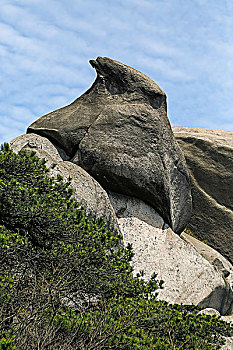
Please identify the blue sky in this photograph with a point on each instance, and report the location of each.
(185, 46)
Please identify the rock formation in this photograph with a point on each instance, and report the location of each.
(188, 277)
(118, 131)
(116, 144)
(42, 147)
(209, 156)
(86, 190)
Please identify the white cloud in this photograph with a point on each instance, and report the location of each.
(185, 46)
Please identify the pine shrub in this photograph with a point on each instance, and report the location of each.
(66, 281)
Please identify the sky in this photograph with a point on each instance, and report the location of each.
(185, 46)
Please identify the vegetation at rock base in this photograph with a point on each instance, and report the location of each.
(66, 282)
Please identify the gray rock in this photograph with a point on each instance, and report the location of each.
(87, 191)
(214, 257)
(42, 147)
(209, 156)
(188, 277)
(119, 132)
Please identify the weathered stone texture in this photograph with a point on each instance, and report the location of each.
(211, 255)
(118, 131)
(188, 277)
(42, 147)
(209, 156)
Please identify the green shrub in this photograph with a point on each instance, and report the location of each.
(66, 281)
(7, 344)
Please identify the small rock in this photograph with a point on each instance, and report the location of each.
(209, 311)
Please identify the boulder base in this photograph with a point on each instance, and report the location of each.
(188, 277)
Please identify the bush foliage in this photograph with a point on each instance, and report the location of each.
(66, 281)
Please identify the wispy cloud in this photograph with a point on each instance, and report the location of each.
(185, 46)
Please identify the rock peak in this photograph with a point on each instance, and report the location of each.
(119, 132)
(124, 75)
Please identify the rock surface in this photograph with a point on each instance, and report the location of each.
(118, 131)
(42, 147)
(214, 257)
(188, 277)
(87, 191)
(209, 311)
(209, 156)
